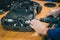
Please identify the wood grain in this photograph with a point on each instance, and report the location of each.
(11, 35)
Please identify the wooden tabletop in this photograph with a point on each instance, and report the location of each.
(10, 35)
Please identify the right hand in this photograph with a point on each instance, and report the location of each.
(54, 12)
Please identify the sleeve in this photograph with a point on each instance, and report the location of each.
(54, 33)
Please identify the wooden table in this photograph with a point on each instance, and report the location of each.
(10, 35)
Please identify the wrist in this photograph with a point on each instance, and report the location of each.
(45, 30)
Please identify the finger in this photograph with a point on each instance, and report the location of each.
(31, 26)
(33, 21)
(36, 29)
(58, 8)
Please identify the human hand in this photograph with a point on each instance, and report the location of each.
(54, 12)
(38, 27)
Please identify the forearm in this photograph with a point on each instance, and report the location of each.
(53, 33)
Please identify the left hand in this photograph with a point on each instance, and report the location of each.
(38, 27)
